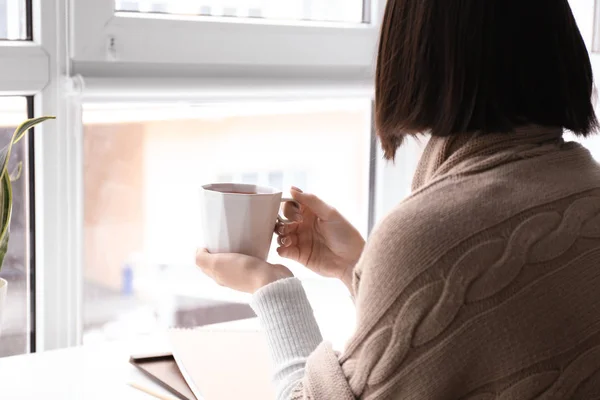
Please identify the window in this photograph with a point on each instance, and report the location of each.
(32, 319)
(583, 11)
(142, 178)
(307, 10)
(592, 143)
(17, 327)
(63, 54)
(13, 20)
(321, 38)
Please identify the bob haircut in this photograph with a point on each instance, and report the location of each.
(452, 66)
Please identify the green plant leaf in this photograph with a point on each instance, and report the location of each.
(5, 183)
(5, 214)
(18, 135)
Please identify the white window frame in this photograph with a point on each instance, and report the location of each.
(38, 68)
(102, 36)
(311, 62)
(24, 68)
(73, 36)
(57, 215)
(24, 71)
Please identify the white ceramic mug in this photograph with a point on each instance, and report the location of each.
(239, 218)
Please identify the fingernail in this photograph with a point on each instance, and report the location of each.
(298, 218)
(285, 241)
(294, 188)
(281, 230)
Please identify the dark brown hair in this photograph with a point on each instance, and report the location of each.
(450, 66)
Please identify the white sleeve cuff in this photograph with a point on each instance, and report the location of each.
(287, 318)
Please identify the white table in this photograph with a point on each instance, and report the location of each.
(90, 372)
(102, 371)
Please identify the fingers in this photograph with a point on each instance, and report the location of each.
(292, 212)
(208, 262)
(285, 229)
(291, 253)
(204, 260)
(321, 209)
(230, 270)
(287, 241)
(288, 246)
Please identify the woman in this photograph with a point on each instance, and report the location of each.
(485, 282)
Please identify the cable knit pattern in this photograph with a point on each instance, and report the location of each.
(483, 285)
(551, 385)
(540, 238)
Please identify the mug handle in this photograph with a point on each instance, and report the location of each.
(283, 220)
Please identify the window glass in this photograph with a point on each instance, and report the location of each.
(583, 11)
(14, 20)
(299, 10)
(17, 330)
(144, 167)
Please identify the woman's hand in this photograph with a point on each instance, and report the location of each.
(240, 272)
(320, 238)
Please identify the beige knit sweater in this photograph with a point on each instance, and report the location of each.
(484, 284)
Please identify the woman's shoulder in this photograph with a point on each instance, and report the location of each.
(450, 207)
(460, 206)
(408, 247)
(419, 230)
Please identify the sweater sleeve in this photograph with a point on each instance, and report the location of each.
(292, 332)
